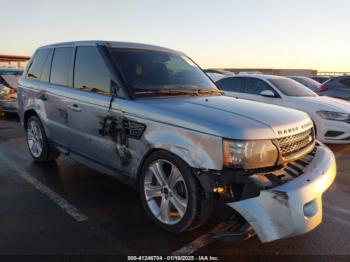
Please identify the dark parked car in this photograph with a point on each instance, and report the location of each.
(338, 87)
(321, 79)
(307, 81)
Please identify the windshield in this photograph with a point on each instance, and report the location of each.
(290, 87)
(312, 84)
(149, 70)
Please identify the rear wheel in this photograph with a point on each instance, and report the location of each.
(37, 142)
(170, 194)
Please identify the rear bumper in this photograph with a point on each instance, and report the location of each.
(293, 208)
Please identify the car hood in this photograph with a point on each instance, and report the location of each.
(325, 103)
(223, 116)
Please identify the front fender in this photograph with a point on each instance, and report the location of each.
(198, 150)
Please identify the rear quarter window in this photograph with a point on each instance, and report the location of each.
(35, 68)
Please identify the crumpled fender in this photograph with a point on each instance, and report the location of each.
(196, 149)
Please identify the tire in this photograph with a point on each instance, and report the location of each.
(176, 187)
(37, 142)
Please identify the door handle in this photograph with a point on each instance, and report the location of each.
(42, 97)
(75, 108)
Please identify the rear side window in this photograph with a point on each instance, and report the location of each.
(61, 65)
(256, 86)
(36, 67)
(90, 72)
(233, 84)
(345, 81)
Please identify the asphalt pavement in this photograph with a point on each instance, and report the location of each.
(67, 208)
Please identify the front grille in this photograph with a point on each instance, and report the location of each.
(290, 145)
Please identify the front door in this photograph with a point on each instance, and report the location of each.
(88, 109)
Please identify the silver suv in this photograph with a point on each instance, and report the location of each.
(149, 116)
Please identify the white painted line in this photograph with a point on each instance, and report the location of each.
(340, 220)
(56, 198)
(336, 208)
(202, 241)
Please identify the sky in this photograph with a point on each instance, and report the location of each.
(308, 34)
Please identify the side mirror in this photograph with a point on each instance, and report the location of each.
(267, 93)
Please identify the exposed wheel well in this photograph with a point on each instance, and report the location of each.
(139, 170)
(27, 115)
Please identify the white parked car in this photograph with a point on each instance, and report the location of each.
(331, 116)
(217, 74)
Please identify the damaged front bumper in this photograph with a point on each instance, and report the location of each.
(294, 207)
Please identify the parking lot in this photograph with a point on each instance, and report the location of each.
(67, 208)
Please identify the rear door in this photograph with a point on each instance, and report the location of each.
(57, 77)
(88, 108)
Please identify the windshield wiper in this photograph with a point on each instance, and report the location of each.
(209, 91)
(167, 91)
(170, 91)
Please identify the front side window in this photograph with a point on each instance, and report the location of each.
(232, 84)
(90, 72)
(61, 65)
(256, 86)
(150, 70)
(36, 67)
(290, 87)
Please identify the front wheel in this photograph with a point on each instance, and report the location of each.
(170, 194)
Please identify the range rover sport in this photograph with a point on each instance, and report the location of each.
(149, 116)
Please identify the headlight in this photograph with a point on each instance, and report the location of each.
(249, 154)
(330, 115)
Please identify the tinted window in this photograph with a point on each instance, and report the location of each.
(290, 87)
(155, 70)
(60, 68)
(35, 68)
(45, 75)
(234, 84)
(90, 72)
(345, 81)
(256, 86)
